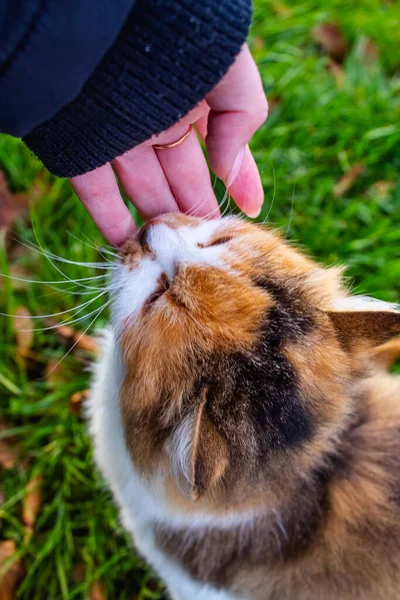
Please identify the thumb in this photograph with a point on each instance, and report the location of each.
(238, 108)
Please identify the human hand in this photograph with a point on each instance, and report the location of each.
(173, 179)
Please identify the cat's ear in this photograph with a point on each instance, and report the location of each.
(209, 455)
(365, 322)
(199, 455)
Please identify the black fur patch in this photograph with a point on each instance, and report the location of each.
(256, 393)
(292, 317)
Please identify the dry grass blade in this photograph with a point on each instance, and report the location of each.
(273, 102)
(258, 43)
(17, 275)
(76, 400)
(329, 36)
(23, 323)
(54, 373)
(12, 205)
(337, 72)
(32, 501)
(348, 180)
(85, 342)
(10, 575)
(2, 499)
(8, 455)
(78, 572)
(381, 188)
(281, 10)
(369, 52)
(97, 591)
(8, 451)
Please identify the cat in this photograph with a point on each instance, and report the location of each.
(243, 415)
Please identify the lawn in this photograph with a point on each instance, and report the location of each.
(329, 156)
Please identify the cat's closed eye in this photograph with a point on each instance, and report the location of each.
(217, 242)
(163, 286)
(157, 294)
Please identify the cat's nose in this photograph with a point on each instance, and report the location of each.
(158, 238)
(144, 235)
(163, 243)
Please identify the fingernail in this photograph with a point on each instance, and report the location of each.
(254, 214)
(235, 168)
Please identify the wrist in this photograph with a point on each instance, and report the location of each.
(167, 58)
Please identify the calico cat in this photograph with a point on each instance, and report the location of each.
(244, 419)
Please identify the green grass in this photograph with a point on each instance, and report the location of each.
(316, 131)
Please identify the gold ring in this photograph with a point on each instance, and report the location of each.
(173, 144)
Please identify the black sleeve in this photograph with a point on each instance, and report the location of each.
(168, 56)
(48, 50)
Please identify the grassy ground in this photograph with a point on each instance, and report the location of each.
(325, 121)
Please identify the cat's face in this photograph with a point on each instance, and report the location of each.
(234, 351)
(217, 279)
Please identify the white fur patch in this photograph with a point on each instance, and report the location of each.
(360, 303)
(180, 449)
(132, 288)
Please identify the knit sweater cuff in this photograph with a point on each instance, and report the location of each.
(168, 56)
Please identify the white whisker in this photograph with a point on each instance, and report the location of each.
(75, 310)
(273, 197)
(291, 212)
(227, 210)
(98, 249)
(209, 214)
(67, 322)
(88, 292)
(51, 282)
(79, 338)
(54, 265)
(195, 208)
(47, 254)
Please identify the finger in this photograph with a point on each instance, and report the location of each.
(238, 108)
(246, 189)
(98, 191)
(181, 127)
(187, 173)
(202, 125)
(144, 182)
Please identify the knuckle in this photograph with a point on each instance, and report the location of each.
(260, 114)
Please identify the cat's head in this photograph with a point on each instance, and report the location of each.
(239, 353)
